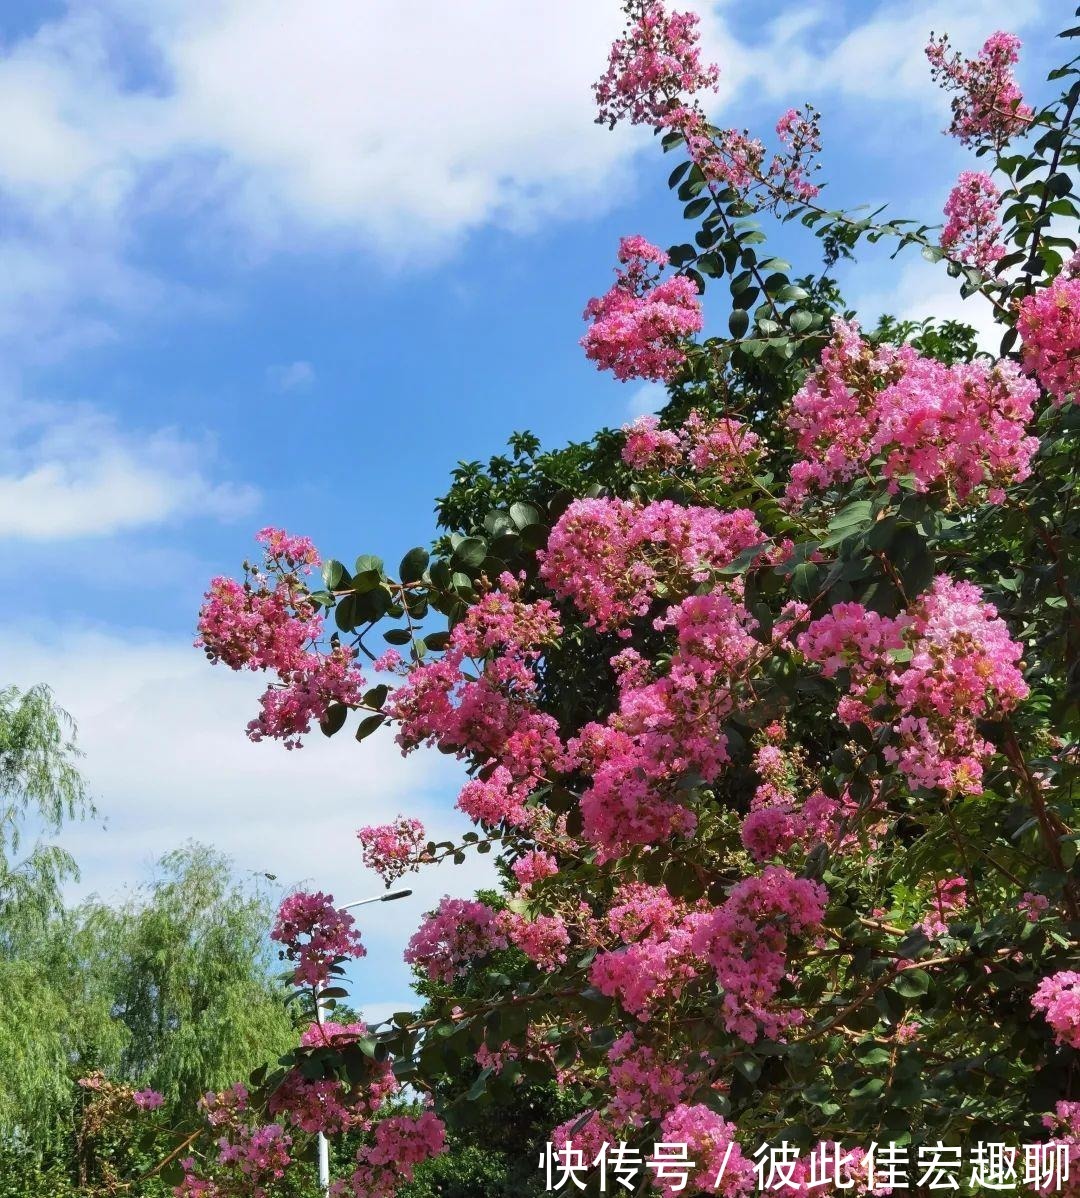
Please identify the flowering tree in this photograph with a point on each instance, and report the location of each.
(768, 704)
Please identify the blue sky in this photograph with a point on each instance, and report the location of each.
(267, 263)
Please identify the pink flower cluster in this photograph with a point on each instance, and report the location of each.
(500, 621)
(534, 866)
(1033, 905)
(316, 935)
(777, 822)
(645, 1082)
(949, 899)
(1049, 324)
(253, 1158)
(638, 326)
(1058, 999)
(746, 939)
(960, 427)
(453, 936)
(987, 106)
(722, 447)
(492, 717)
(394, 849)
(656, 60)
(326, 1104)
(612, 558)
(733, 158)
(1064, 1126)
(544, 939)
(268, 623)
(288, 552)
(972, 227)
(963, 668)
(399, 1144)
(721, 1167)
(148, 1100)
(664, 727)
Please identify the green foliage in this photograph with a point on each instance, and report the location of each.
(40, 786)
(173, 988)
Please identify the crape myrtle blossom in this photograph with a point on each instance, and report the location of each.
(744, 942)
(453, 935)
(724, 447)
(987, 106)
(962, 428)
(972, 228)
(963, 667)
(269, 623)
(1049, 324)
(394, 849)
(720, 1166)
(399, 1144)
(736, 159)
(1057, 998)
(639, 324)
(948, 900)
(1064, 1128)
(316, 935)
(655, 61)
(612, 557)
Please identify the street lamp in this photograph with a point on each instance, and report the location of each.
(324, 1144)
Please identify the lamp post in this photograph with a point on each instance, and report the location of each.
(324, 1144)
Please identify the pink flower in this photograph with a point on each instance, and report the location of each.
(973, 228)
(963, 668)
(654, 62)
(454, 935)
(401, 1142)
(987, 107)
(1033, 905)
(610, 557)
(543, 939)
(720, 1166)
(639, 324)
(394, 849)
(534, 866)
(148, 1100)
(950, 898)
(1058, 999)
(960, 428)
(291, 552)
(1049, 325)
(316, 935)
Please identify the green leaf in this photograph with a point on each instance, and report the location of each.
(334, 719)
(413, 564)
(368, 725)
(738, 322)
(470, 553)
(524, 514)
(912, 983)
(397, 636)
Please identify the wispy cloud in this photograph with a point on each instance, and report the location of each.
(293, 376)
(68, 471)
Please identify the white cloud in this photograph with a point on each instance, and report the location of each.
(396, 126)
(167, 760)
(646, 399)
(294, 376)
(881, 57)
(67, 471)
(920, 289)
